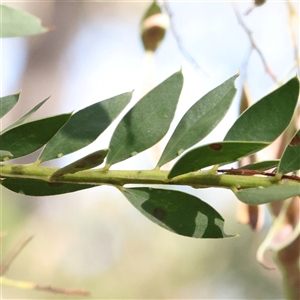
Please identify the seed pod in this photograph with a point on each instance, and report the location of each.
(153, 27)
(259, 2)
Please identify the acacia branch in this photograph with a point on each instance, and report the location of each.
(199, 179)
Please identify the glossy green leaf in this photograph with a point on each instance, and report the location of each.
(177, 212)
(89, 161)
(147, 122)
(200, 120)
(262, 165)
(7, 103)
(34, 187)
(290, 160)
(5, 155)
(84, 127)
(268, 118)
(19, 23)
(256, 196)
(212, 154)
(31, 136)
(25, 117)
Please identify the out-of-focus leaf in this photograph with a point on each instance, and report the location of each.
(147, 122)
(90, 161)
(5, 155)
(200, 120)
(153, 27)
(212, 154)
(34, 187)
(268, 118)
(256, 196)
(177, 212)
(29, 137)
(284, 233)
(262, 165)
(19, 23)
(84, 127)
(7, 103)
(259, 2)
(25, 117)
(290, 160)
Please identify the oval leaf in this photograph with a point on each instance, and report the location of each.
(290, 160)
(90, 161)
(31, 136)
(177, 212)
(25, 117)
(19, 23)
(7, 103)
(212, 154)
(84, 127)
(147, 122)
(268, 118)
(200, 120)
(262, 165)
(34, 187)
(256, 196)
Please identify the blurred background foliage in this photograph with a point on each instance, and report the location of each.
(95, 239)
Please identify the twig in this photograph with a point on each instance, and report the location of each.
(253, 44)
(183, 50)
(255, 172)
(47, 288)
(13, 254)
(294, 16)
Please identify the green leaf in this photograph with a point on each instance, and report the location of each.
(212, 154)
(25, 117)
(90, 161)
(262, 165)
(268, 118)
(34, 187)
(177, 212)
(84, 127)
(147, 122)
(290, 160)
(256, 196)
(200, 120)
(7, 103)
(31, 136)
(5, 155)
(19, 23)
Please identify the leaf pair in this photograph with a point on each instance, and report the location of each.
(22, 138)
(80, 129)
(255, 129)
(149, 120)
